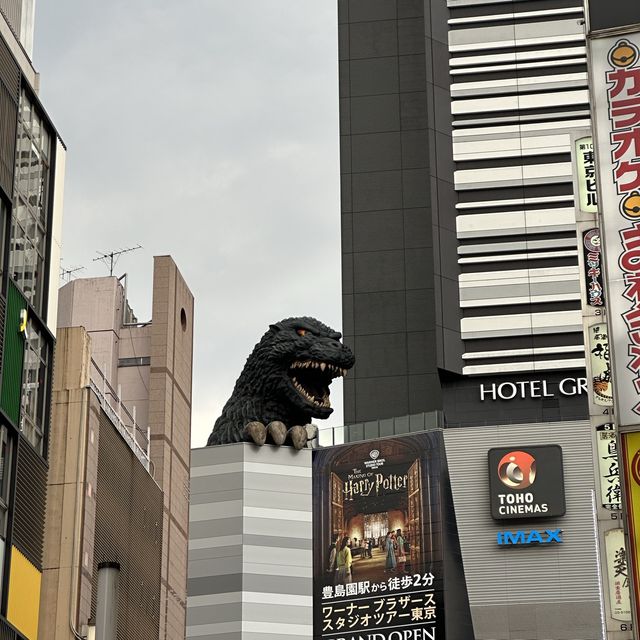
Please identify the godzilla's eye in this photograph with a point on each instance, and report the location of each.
(301, 332)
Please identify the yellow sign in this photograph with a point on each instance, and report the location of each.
(23, 606)
(23, 321)
(631, 458)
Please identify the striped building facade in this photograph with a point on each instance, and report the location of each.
(518, 90)
(250, 560)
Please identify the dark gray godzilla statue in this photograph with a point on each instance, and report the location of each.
(284, 383)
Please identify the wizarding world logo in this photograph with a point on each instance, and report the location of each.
(517, 470)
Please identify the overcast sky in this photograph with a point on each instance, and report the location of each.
(208, 130)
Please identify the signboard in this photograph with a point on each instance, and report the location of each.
(508, 390)
(523, 538)
(607, 452)
(586, 175)
(526, 482)
(593, 268)
(377, 569)
(618, 575)
(600, 365)
(615, 76)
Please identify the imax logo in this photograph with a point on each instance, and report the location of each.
(505, 538)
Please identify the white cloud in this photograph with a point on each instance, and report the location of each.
(209, 131)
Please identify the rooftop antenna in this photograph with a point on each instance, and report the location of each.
(67, 274)
(111, 258)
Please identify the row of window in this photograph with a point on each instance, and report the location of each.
(27, 228)
(29, 220)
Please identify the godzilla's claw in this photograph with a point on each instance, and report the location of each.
(255, 432)
(277, 432)
(298, 436)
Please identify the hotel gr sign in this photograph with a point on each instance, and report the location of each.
(523, 389)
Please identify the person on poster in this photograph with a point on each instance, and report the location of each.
(401, 552)
(333, 551)
(344, 561)
(391, 554)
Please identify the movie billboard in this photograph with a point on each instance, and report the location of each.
(377, 540)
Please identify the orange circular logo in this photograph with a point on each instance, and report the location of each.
(635, 467)
(630, 206)
(624, 54)
(517, 469)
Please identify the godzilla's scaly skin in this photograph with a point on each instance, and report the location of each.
(264, 391)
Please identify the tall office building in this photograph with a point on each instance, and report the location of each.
(461, 287)
(31, 185)
(119, 483)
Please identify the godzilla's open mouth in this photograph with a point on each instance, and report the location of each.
(311, 379)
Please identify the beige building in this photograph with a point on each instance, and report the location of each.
(120, 439)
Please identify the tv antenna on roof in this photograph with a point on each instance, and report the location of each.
(111, 258)
(67, 274)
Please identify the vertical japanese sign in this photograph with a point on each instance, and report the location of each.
(615, 76)
(608, 465)
(600, 365)
(586, 175)
(593, 268)
(618, 573)
(377, 540)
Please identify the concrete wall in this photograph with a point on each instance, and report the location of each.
(250, 560)
(159, 387)
(170, 424)
(399, 269)
(102, 504)
(96, 305)
(66, 589)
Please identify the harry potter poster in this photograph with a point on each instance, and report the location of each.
(377, 540)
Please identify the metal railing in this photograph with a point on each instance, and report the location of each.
(370, 430)
(138, 438)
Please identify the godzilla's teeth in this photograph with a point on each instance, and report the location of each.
(322, 366)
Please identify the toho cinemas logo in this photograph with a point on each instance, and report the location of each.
(526, 482)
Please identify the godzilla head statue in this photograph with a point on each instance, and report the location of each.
(284, 383)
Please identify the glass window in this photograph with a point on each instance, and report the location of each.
(29, 220)
(5, 478)
(34, 386)
(25, 111)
